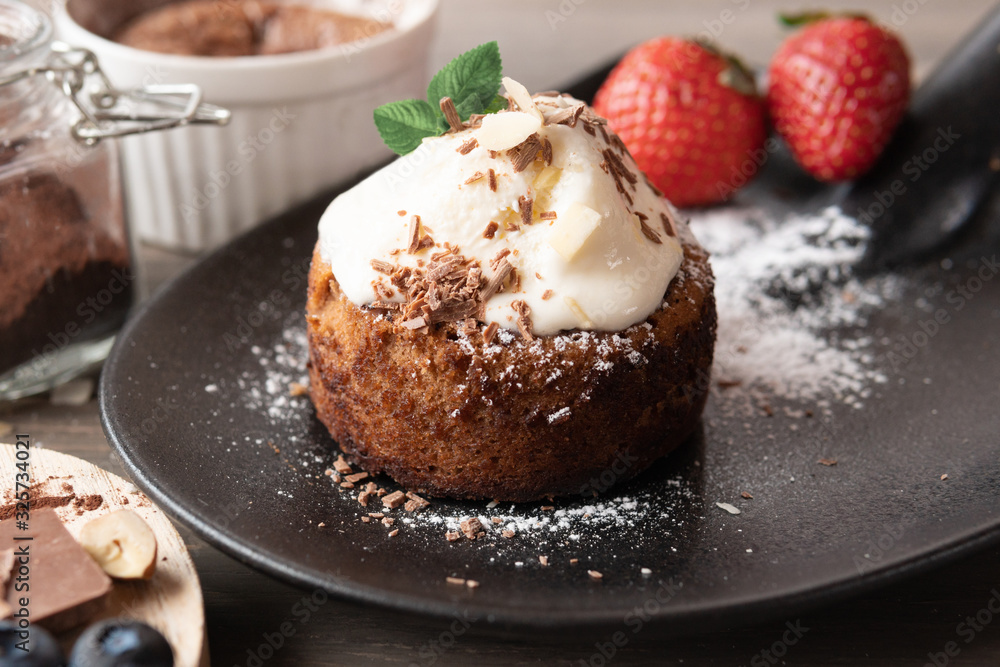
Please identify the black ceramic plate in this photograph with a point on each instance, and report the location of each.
(185, 403)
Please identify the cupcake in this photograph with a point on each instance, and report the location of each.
(509, 311)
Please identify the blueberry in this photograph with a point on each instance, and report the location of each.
(121, 643)
(43, 651)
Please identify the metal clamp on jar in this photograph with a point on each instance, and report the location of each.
(66, 275)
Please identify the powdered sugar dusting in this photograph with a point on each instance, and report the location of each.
(282, 366)
(791, 315)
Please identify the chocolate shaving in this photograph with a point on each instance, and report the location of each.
(547, 294)
(525, 203)
(593, 118)
(647, 231)
(547, 215)
(523, 319)
(525, 152)
(547, 151)
(565, 116)
(414, 234)
(383, 267)
(617, 142)
(617, 165)
(656, 190)
(495, 284)
(490, 332)
(458, 311)
(382, 293)
(491, 230)
(495, 262)
(449, 288)
(467, 147)
(493, 180)
(475, 177)
(589, 129)
(668, 224)
(604, 134)
(415, 323)
(421, 502)
(394, 499)
(451, 115)
(472, 528)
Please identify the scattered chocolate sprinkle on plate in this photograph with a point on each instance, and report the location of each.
(394, 499)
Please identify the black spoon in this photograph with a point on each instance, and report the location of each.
(935, 185)
(931, 187)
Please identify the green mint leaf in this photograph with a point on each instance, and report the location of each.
(403, 125)
(499, 103)
(471, 80)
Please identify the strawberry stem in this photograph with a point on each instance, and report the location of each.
(805, 18)
(735, 75)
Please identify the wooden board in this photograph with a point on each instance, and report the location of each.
(171, 601)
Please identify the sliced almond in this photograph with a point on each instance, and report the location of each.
(122, 544)
(546, 180)
(502, 131)
(521, 97)
(581, 314)
(575, 226)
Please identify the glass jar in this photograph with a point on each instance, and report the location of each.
(66, 282)
(66, 271)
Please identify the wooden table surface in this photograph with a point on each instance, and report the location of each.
(545, 42)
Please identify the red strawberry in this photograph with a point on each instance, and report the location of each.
(690, 117)
(837, 91)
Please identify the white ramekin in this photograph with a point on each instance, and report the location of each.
(301, 122)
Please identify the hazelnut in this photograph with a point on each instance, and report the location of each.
(122, 544)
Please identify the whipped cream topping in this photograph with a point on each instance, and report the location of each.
(593, 245)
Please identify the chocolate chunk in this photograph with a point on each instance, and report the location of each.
(67, 586)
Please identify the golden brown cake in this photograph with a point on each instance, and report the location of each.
(514, 318)
(446, 415)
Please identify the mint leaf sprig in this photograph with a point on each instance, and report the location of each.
(471, 81)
